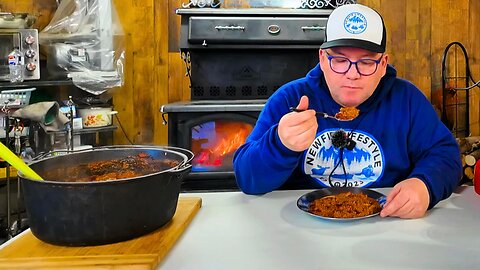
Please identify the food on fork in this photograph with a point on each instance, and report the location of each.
(347, 113)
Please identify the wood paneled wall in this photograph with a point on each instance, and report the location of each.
(418, 32)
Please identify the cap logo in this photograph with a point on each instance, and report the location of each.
(355, 23)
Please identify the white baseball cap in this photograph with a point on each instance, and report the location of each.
(354, 25)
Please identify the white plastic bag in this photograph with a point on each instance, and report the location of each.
(86, 41)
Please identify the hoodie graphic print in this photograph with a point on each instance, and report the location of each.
(357, 167)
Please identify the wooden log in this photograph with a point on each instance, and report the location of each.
(472, 158)
(468, 172)
(475, 146)
(463, 144)
(469, 144)
(472, 139)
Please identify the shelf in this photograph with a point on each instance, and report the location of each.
(88, 130)
(38, 83)
(94, 130)
(46, 79)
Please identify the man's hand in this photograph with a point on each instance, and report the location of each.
(297, 129)
(408, 199)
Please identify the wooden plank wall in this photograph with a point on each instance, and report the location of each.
(474, 51)
(418, 32)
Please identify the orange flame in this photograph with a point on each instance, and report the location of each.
(231, 143)
(231, 135)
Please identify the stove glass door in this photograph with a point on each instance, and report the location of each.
(214, 143)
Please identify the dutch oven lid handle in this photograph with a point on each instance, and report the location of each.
(186, 152)
(182, 170)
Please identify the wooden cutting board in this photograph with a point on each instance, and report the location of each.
(145, 252)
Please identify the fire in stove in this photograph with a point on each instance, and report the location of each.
(215, 142)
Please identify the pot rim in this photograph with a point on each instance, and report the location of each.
(185, 165)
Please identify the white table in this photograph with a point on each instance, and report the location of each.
(237, 231)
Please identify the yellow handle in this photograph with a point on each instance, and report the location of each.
(18, 163)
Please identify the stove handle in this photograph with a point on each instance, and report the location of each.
(219, 28)
(164, 121)
(313, 28)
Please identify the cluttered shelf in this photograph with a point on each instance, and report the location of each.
(46, 79)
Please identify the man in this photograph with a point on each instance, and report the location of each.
(396, 141)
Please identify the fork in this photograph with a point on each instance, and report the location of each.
(321, 114)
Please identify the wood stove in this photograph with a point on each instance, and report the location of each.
(235, 59)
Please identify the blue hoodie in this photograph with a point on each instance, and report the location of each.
(398, 135)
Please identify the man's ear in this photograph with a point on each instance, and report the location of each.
(321, 52)
(385, 60)
(384, 64)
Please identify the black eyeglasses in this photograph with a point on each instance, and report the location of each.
(341, 64)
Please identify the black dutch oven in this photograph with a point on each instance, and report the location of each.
(95, 213)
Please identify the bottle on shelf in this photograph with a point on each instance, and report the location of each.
(15, 64)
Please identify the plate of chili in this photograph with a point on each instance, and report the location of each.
(342, 203)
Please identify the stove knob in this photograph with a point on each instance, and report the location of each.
(273, 29)
(30, 53)
(31, 66)
(30, 40)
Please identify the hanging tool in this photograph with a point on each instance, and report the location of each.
(17, 132)
(70, 104)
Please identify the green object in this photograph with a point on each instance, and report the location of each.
(51, 115)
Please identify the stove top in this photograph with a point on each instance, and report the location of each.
(255, 11)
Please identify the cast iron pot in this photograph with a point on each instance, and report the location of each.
(96, 213)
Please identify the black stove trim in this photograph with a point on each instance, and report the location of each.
(255, 105)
